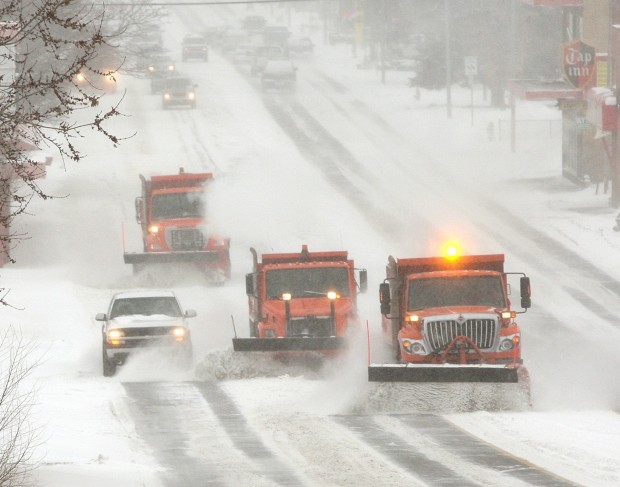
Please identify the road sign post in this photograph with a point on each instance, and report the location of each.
(471, 70)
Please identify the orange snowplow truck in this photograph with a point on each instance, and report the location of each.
(301, 301)
(171, 212)
(449, 319)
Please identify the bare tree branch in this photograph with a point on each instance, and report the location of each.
(18, 437)
(47, 48)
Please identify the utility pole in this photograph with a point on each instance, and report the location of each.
(613, 78)
(446, 5)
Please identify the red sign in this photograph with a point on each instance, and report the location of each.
(602, 109)
(578, 62)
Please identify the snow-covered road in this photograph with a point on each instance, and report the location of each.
(343, 163)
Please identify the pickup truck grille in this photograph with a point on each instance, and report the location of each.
(482, 331)
(186, 239)
(148, 331)
(148, 335)
(311, 326)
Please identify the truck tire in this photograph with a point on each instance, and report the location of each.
(253, 330)
(109, 368)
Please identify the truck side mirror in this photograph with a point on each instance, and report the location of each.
(138, 204)
(526, 292)
(249, 284)
(384, 297)
(363, 280)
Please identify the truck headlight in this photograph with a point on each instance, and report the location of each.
(114, 337)
(191, 95)
(509, 342)
(179, 333)
(166, 96)
(415, 347)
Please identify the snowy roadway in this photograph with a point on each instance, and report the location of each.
(342, 163)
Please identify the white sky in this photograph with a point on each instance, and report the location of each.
(431, 174)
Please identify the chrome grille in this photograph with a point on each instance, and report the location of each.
(313, 326)
(186, 239)
(481, 331)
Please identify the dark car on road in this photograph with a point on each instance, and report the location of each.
(178, 91)
(195, 47)
(159, 72)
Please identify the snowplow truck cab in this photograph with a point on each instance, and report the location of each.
(171, 214)
(302, 301)
(450, 320)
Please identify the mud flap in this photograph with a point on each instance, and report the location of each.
(442, 373)
(288, 344)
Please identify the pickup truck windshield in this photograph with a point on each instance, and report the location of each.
(178, 205)
(456, 291)
(160, 305)
(307, 282)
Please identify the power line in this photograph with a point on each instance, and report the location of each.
(206, 2)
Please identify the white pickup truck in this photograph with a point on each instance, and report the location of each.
(144, 319)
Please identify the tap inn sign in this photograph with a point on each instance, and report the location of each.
(579, 63)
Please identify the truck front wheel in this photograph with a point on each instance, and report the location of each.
(109, 368)
(253, 330)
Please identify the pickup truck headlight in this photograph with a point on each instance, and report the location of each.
(179, 333)
(115, 337)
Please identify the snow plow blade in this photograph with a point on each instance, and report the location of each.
(167, 257)
(288, 344)
(442, 373)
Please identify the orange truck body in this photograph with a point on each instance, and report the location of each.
(170, 212)
(302, 301)
(450, 320)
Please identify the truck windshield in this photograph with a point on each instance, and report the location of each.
(178, 205)
(160, 305)
(307, 282)
(456, 291)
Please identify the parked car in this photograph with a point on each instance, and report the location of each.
(195, 47)
(279, 74)
(178, 91)
(137, 319)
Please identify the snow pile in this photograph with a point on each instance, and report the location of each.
(227, 365)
